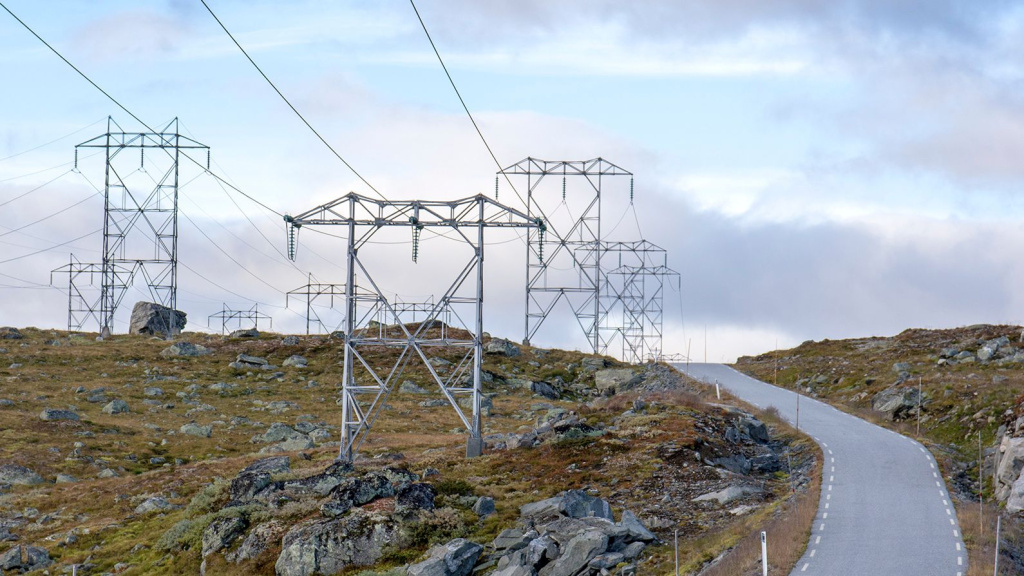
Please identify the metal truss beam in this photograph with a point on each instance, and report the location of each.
(227, 315)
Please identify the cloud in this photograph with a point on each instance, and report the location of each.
(135, 34)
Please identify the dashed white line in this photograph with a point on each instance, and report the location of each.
(822, 527)
(817, 540)
(959, 560)
(804, 569)
(957, 546)
(812, 552)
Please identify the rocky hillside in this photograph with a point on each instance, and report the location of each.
(216, 454)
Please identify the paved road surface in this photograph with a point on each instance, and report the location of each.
(884, 507)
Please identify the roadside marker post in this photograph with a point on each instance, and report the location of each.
(677, 550)
(999, 521)
(764, 553)
(718, 391)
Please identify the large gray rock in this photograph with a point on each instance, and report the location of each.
(291, 445)
(636, 528)
(56, 415)
(572, 503)
(279, 432)
(185, 349)
(330, 546)
(10, 333)
(728, 494)
(14, 474)
(456, 558)
(1015, 500)
(259, 540)
(25, 558)
(222, 532)
(419, 496)
(577, 554)
(117, 406)
(614, 380)
(754, 428)
(544, 389)
(484, 506)
(502, 347)
(152, 319)
(193, 429)
(295, 361)
(898, 402)
(1011, 462)
(154, 504)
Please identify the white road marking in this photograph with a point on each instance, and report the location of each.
(804, 569)
(959, 560)
(826, 505)
(948, 513)
(833, 469)
(830, 451)
(825, 515)
(822, 527)
(937, 483)
(945, 503)
(932, 465)
(825, 445)
(817, 540)
(831, 478)
(957, 546)
(956, 534)
(812, 552)
(952, 522)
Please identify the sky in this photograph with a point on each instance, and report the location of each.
(814, 169)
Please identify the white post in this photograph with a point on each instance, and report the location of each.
(764, 554)
(677, 551)
(718, 391)
(999, 520)
(705, 343)
(919, 408)
(798, 410)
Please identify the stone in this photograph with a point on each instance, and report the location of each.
(901, 367)
(728, 494)
(544, 389)
(633, 551)
(247, 485)
(107, 473)
(593, 364)
(193, 429)
(271, 465)
(1011, 463)
(117, 406)
(10, 333)
(290, 341)
(14, 474)
(606, 561)
(456, 558)
(222, 532)
(279, 432)
(295, 361)
(1015, 500)
(614, 380)
(484, 506)
(154, 504)
(11, 559)
(510, 539)
(153, 319)
(251, 361)
(571, 503)
(753, 428)
(245, 333)
(185, 350)
(541, 550)
(259, 540)
(153, 391)
(986, 353)
(290, 445)
(56, 415)
(417, 496)
(329, 546)
(410, 387)
(36, 558)
(65, 479)
(501, 347)
(577, 553)
(898, 402)
(636, 528)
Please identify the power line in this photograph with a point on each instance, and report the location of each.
(463, 102)
(50, 248)
(286, 101)
(54, 141)
(37, 188)
(47, 217)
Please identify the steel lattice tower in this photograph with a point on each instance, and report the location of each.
(140, 220)
(567, 233)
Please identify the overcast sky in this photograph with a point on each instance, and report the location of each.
(815, 169)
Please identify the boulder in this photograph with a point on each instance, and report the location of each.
(154, 504)
(153, 391)
(456, 558)
(410, 387)
(901, 367)
(247, 485)
(898, 402)
(636, 528)
(245, 333)
(593, 364)
(193, 429)
(544, 389)
(484, 506)
(222, 532)
(10, 333)
(55, 415)
(613, 380)
(510, 539)
(1011, 462)
(290, 341)
(14, 474)
(270, 465)
(328, 546)
(728, 494)
(279, 432)
(251, 361)
(754, 428)
(1015, 500)
(502, 347)
(986, 353)
(572, 503)
(290, 445)
(576, 554)
(25, 558)
(418, 496)
(65, 479)
(259, 540)
(295, 361)
(152, 319)
(185, 350)
(116, 407)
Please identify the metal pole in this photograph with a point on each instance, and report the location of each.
(764, 553)
(475, 445)
(347, 436)
(688, 342)
(718, 391)
(798, 410)
(529, 254)
(999, 521)
(677, 550)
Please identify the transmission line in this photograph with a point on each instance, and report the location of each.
(54, 141)
(288, 102)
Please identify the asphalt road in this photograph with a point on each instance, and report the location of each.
(884, 507)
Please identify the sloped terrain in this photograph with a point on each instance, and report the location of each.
(134, 456)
